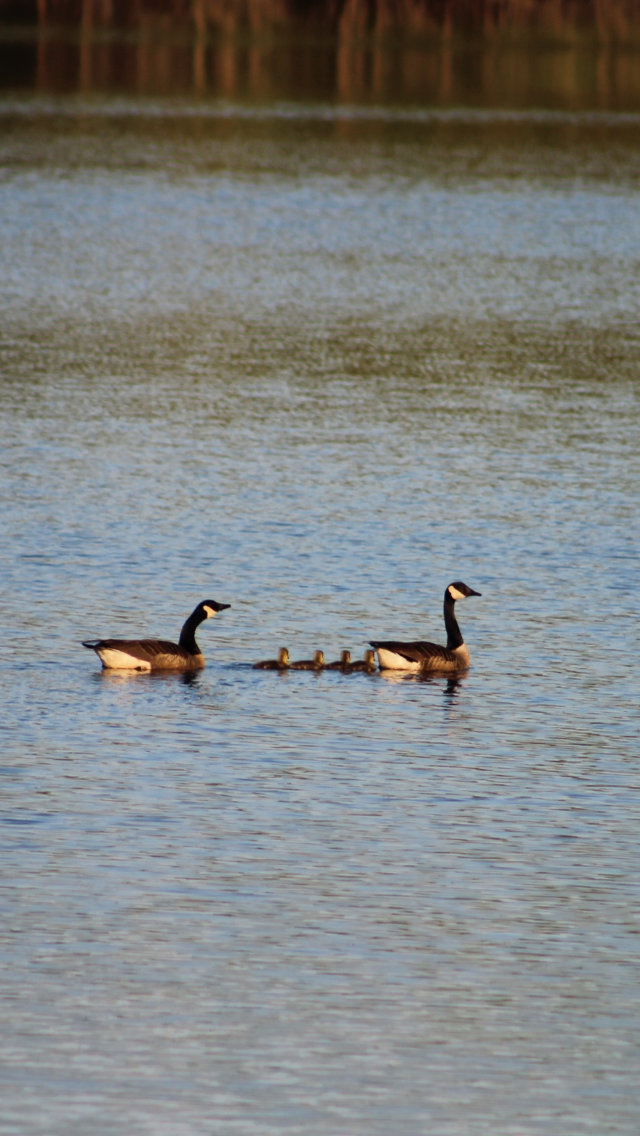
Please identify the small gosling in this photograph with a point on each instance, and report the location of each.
(314, 664)
(279, 664)
(367, 663)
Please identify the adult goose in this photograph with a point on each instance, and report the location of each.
(424, 657)
(314, 664)
(157, 654)
(279, 664)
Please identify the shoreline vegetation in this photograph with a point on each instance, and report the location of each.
(577, 54)
(606, 20)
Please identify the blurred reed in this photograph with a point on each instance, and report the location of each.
(568, 53)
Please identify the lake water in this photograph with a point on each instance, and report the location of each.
(316, 362)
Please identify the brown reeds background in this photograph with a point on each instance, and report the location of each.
(575, 53)
(606, 18)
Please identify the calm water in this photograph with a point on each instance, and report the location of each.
(317, 364)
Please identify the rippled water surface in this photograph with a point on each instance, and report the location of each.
(316, 365)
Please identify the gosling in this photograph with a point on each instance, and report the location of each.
(367, 664)
(279, 664)
(314, 664)
(340, 664)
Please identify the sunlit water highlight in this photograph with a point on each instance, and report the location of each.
(318, 375)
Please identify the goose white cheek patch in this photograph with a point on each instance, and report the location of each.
(456, 595)
(209, 611)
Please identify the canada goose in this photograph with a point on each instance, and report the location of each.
(367, 663)
(157, 654)
(430, 656)
(314, 664)
(341, 663)
(279, 664)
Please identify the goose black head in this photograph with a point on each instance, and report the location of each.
(210, 608)
(460, 591)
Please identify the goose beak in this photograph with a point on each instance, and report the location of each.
(472, 593)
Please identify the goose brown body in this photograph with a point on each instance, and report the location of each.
(157, 654)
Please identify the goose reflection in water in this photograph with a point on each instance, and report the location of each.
(182, 678)
(448, 689)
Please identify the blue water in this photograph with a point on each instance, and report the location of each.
(318, 376)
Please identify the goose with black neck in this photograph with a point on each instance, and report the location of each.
(158, 654)
(425, 657)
